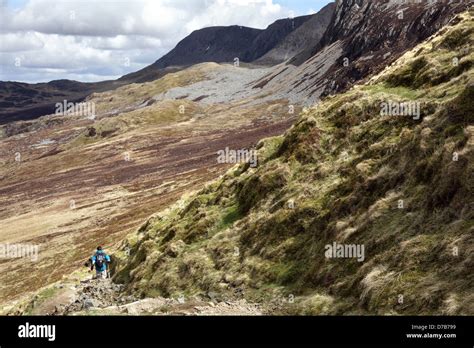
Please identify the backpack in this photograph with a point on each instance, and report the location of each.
(99, 260)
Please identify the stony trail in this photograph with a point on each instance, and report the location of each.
(103, 297)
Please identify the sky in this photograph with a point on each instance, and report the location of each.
(95, 40)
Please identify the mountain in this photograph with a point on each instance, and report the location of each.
(351, 48)
(306, 35)
(346, 172)
(397, 185)
(223, 45)
(22, 101)
(355, 45)
(359, 25)
(215, 44)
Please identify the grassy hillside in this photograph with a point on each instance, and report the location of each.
(402, 187)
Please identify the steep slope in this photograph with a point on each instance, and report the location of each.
(71, 182)
(215, 44)
(221, 45)
(363, 37)
(22, 101)
(307, 35)
(272, 36)
(400, 184)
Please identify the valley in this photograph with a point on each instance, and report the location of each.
(362, 136)
(94, 181)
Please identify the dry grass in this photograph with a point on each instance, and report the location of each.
(346, 168)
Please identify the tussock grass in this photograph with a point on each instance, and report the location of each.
(346, 168)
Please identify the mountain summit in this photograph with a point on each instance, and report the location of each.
(277, 43)
(23, 101)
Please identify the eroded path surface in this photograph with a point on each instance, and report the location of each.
(103, 297)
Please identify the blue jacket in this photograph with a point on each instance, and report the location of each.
(104, 265)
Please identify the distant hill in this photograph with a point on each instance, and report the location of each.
(23, 101)
(223, 45)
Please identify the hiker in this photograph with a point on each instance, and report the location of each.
(100, 260)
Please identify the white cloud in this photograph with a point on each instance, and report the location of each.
(92, 39)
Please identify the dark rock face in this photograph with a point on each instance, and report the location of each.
(224, 44)
(373, 34)
(216, 44)
(277, 43)
(273, 36)
(306, 35)
(366, 26)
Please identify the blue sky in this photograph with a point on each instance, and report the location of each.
(303, 6)
(94, 40)
(15, 3)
